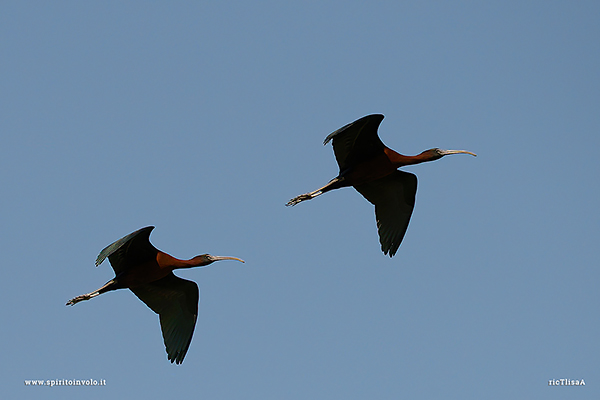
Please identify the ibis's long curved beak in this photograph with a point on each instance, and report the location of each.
(219, 258)
(447, 152)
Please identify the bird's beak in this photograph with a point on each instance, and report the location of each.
(447, 152)
(219, 258)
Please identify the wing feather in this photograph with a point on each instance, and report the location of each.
(356, 141)
(131, 249)
(175, 300)
(394, 200)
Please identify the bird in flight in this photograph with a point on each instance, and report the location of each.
(148, 273)
(372, 169)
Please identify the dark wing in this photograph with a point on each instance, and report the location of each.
(132, 249)
(175, 300)
(357, 141)
(394, 200)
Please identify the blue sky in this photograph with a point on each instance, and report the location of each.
(205, 118)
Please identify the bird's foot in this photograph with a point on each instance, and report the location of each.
(298, 199)
(77, 299)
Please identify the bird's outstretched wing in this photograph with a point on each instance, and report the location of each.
(131, 249)
(394, 200)
(175, 300)
(356, 141)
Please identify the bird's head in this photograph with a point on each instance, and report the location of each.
(436, 153)
(206, 259)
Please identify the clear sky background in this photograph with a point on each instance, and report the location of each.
(205, 118)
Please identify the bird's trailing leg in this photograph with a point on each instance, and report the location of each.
(335, 183)
(110, 285)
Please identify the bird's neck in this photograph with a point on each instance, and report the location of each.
(169, 262)
(400, 160)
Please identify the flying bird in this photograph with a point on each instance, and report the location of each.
(148, 273)
(372, 169)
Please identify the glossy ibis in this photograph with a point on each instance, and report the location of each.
(371, 168)
(148, 273)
